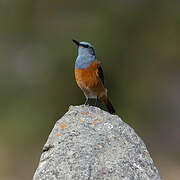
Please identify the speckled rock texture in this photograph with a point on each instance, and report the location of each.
(88, 143)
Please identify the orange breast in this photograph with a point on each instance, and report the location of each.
(89, 80)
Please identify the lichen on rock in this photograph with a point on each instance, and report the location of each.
(88, 143)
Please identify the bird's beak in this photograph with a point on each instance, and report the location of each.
(76, 42)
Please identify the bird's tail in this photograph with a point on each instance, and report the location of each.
(108, 104)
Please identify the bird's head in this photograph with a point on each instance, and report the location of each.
(84, 48)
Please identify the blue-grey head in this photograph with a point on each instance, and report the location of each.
(86, 54)
(84, 48)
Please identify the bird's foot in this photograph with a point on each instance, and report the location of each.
(96, 102)
(86, 101)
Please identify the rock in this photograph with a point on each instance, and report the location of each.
(88, 143)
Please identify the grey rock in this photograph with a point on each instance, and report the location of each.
(88, 143)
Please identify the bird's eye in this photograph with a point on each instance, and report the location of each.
(85, 46)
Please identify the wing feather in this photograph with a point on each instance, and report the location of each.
(100, 73)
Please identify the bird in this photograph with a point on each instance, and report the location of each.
(89, 75)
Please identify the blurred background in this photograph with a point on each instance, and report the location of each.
(136, 42)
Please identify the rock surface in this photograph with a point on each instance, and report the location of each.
(88, 143)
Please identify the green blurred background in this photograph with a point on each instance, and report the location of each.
(136, 42)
